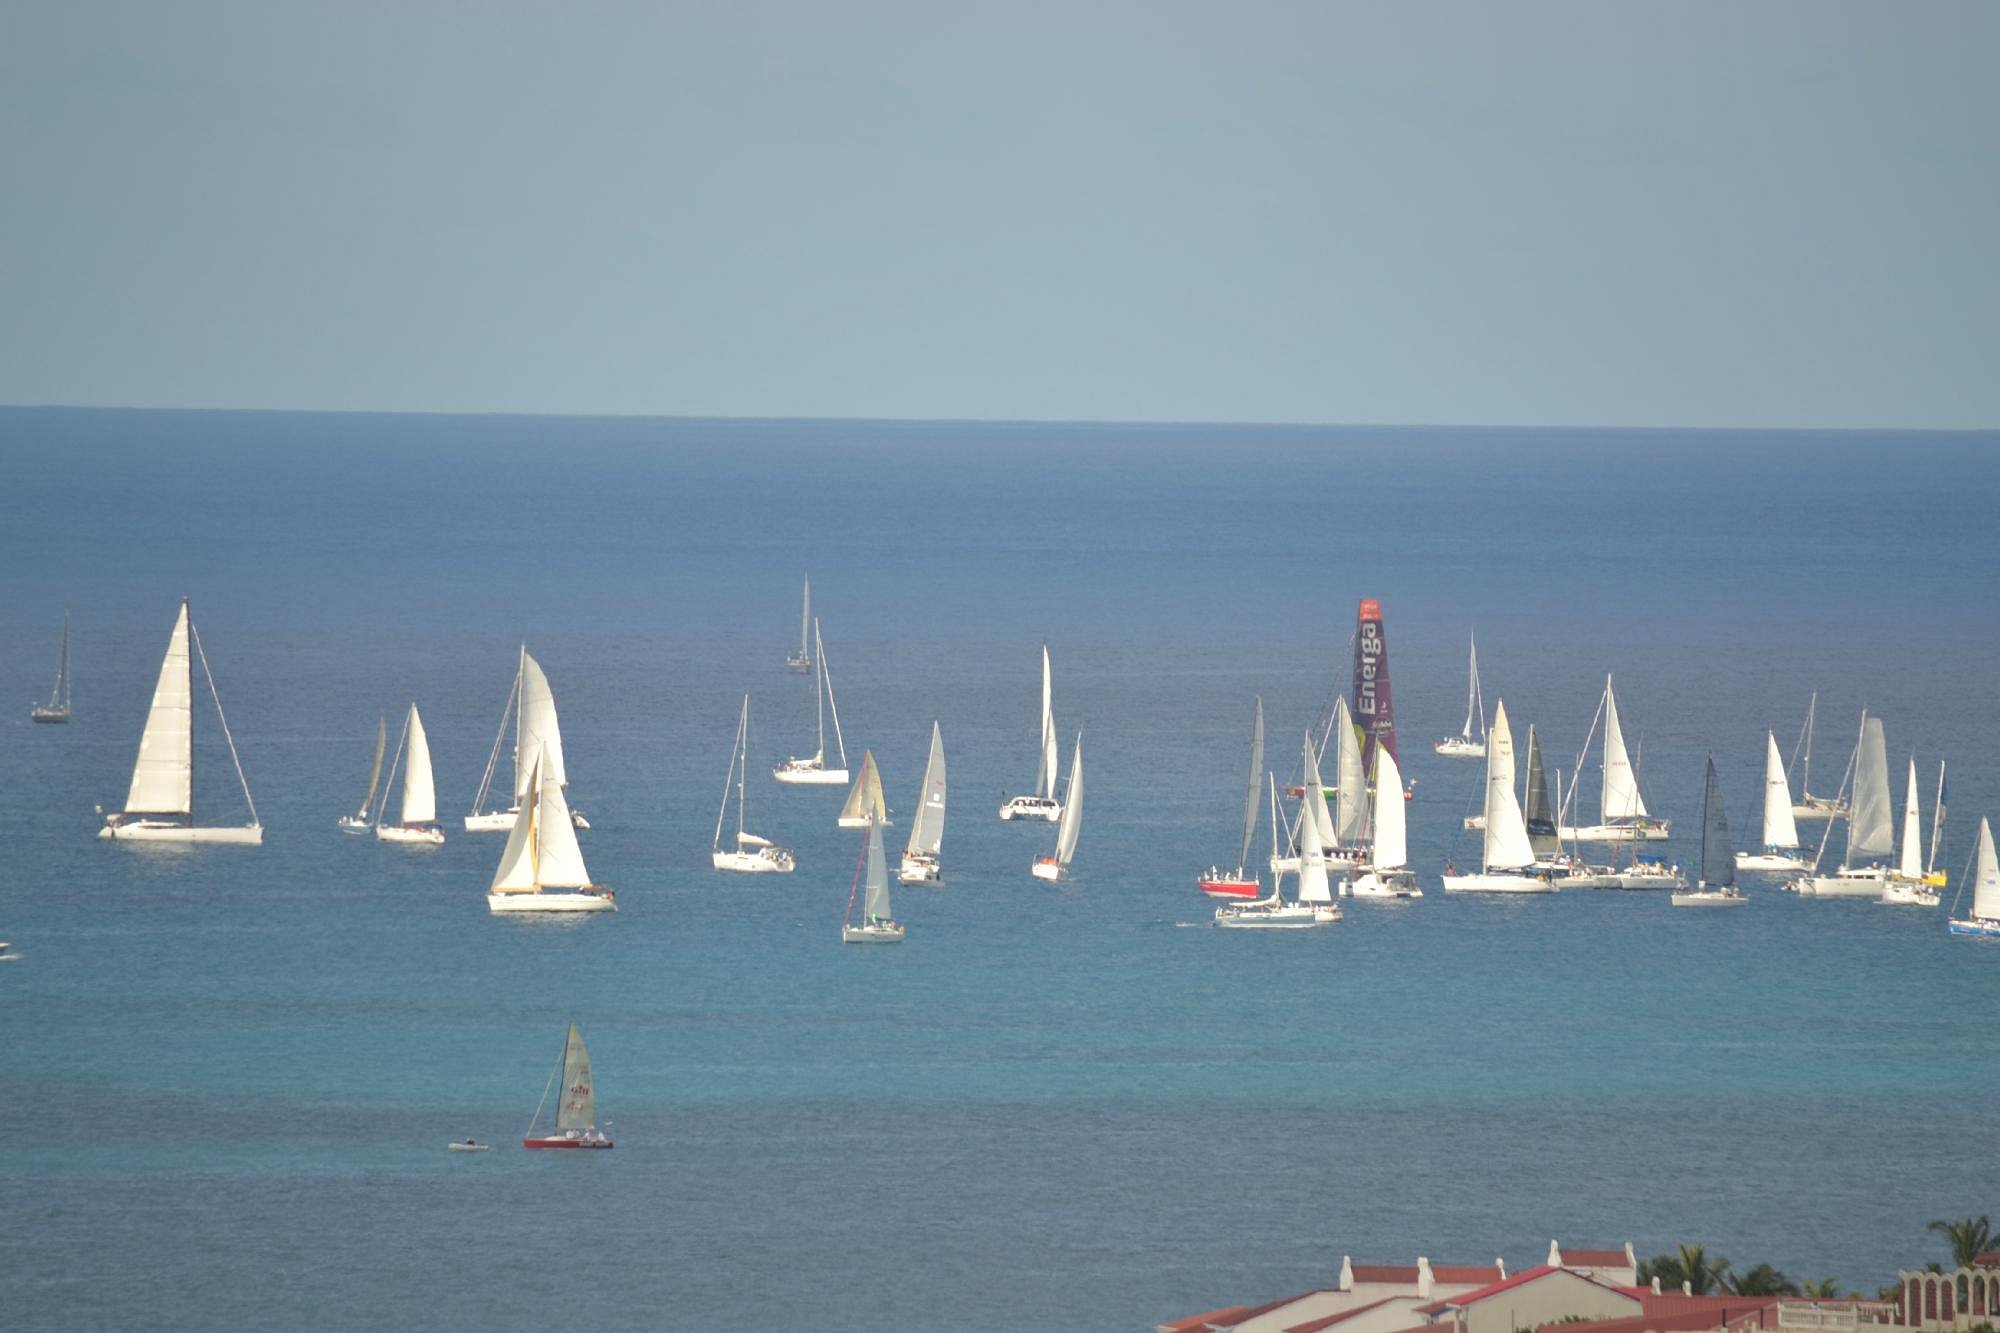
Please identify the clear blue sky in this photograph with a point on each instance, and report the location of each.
(1770, 214)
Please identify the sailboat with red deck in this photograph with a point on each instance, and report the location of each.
(576, 1109)
(1242, 882)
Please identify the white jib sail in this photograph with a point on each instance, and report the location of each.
(1046, 769)
(1473, 711)
(927, 830)
(1313, 886)
(516, 873)
(1072, 815)
(1507, 845)
(1392, 850)
(1620, 798)
(163, 774)
(1985, 877)
(536, 729)
(1350, 782)
(1780, 829)
(1869, 830)
(875, 901)
(1912, 864)
(419, 791)
(1315, 810)
(559, 861)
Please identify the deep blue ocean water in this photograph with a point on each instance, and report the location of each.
(230, 1073)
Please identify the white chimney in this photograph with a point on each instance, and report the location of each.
(1555, 1259)
(1656, 1284)
(1423, 1276)
(1501, 1264)
(1687, 1287)
(1346, 1273)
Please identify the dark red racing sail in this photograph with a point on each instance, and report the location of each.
(1373, 711)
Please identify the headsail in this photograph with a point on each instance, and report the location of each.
(1351, 781)
(1314, 804)
(1620, 798)
(516, 873)
(1072, 815)
(1911, 866)
(578, 1107)
(163, 774)
(1781, 830)
(1870, 830)
(1046, 770)
(1313, 887)
(1475, 707)
(1507, 845)
(1391, 849)
(419, 792)
(864, 798)
(875, 902)
(1372, 707)
(375, 773)
(927, 829)
(1256, 770)
(1985, 877)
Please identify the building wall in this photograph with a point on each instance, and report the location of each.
(1558, 1295)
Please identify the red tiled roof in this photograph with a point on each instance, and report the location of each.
(1315, 1325)
(1228, 1316)
(1385, 1272)
(1987, 1259)
(1744, 1312)
(1461, 1274)
(1593, 1258)
(1670, 1303)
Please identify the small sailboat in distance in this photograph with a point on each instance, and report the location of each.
(1871, 834)
(1388, 873)
(358, 821)
(542, 868)
(1621, 809)
(802, 660)
(1985, 918)
(1041, 803)
(417, 822)
(1908, 886)
(1056, 867)
(1507, 857)
(1469, 744)
(1781, 830)
(531, 706)
(159, 806)
(813, 772)
(57, 708)
(864, 799)
(1717, 884)
(878, 924)
(920, 854)
(1811, 806)
(1242, 883)
(576, 1108)
(752, 855)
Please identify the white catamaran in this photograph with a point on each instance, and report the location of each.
(159, 806)
(1041, 803)
(418, 822)
(1811, 806)
(1717, 885)
(1621, 809)
(878, 924)
(359, 821)
(1242, 883)
(1781, 830)
(1871, 837)
(813, 772)
(752, 855)
(802, 660)
(920, 854)
(1469, 744)
(542, 868)
(1056, 867)
(57, 708)
(531, 707)
(864, 799)
(1388, 873)
(1985, 918)
(1908, 885)
(1507, 858)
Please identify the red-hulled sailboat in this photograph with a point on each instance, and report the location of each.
(576, 1109)
(1242, 882)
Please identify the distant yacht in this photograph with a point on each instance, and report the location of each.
(531, 707)
(813, 772)
(751, 854)
(1041, 803)
(1469, 744)
(1717, 884)
(1908, 885)
(865, 804)
(1781, 831)
(878, 924)
(542, 868)
(802, 660)
(1871, 837)
(920, 854)
(1314, 905)
(1811, 806)
(1056, 867)
(576, 1105)
(360, 820)
(1388, 873)
(159, 806)
(57, 708)
(1242, 883)
(1507, 858)
(1985, 917)
(417, 817)
(1622, 810)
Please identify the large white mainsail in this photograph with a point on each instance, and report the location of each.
(1911, 866)
(1350, 781)
(542, 851)
(1313, 886)
(1256, 772)
(578, 1108)
(1985, 877)
(419, 791)
(1045, 772)
(1391, 848)
(927, 829)
(163, 774)
(1781, 830)
(536, 728)
(1314, 808)
(1507, 846)
(1870, 830)
(1620, 797)
(1072, 815)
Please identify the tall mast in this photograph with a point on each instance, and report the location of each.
(819, 680)
(1937, 823)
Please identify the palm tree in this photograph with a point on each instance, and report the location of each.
(1689, 1264)
(1827, 1289)
(1763, 1280)
(1968, 1237)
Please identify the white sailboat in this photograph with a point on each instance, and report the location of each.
(542, 868)
(1349, 843)
(531, 707)
(56, 710)
(1717, 884)
(1041, 803)
(1313, 809)
(878, 924)
(1985, 918)
(1781, 831)
(1056, 867)
(1314, 905)
(1908, 886)
(1241, 883)
(752, 855)
(1622, 813)
(1811, 806)
(1863, 872)
(359, 821)
(1507, 858)
(576, 1108)
(813, 772)
(159, 805)
(802, 660)
(920, 853)
(1469, 744)
(1388, 873)
(418, 816)
(865, 804)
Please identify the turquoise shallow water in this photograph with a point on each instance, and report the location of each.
(232, 1073)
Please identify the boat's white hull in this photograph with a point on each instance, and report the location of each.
(147, 830)
(764, 861)
(1708, 898)
(502, 821)
(1863, 883)
(1976, 925)
(1457, 747)
(795, 776)
(919, 869)
(1901, 892)
(862, 821)
(1668, 878)
(881, 933)
(1291, 916)
(469, 1147)
(1382, 884)
(1819, 807)
(1650, 831)
(1049, 868)
(1497, 881)
(354, 824)
(1032, 807)
(1776, 862)
(415, 835)
(549, 900)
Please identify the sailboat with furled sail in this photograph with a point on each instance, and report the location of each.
(878, 924)
(1781, 830)
(1388, 873)
(1041, 803)
(57, 708)
(1811, 806)
(1507, 858)
(1621, 809)
(531, 707)
(1717, 885)
(864, 800)
(576, 1108)
(159, 805)
(1056, 867)
(1985, 917)
(920, 853)
(417, 819)
(1242, 883)
(812, 771)
(358, 822)
(542, 868)
(1469, 744)
(752, 854)
(1871, 837)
